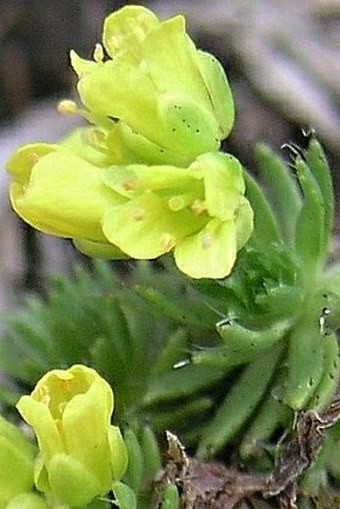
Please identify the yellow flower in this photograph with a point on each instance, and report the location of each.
(200, 213)
(146, 178)
(138, 211)
(81, 453)
(158, 99)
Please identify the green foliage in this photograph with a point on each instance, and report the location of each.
(98, 320)
(281, 302)
(225, 363)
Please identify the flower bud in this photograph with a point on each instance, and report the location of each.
(81, 453)
(16, 463)
(168, 102)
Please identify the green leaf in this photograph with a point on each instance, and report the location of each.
(151, 453)
(134, 474)
(266, 229)
(305, 360)
(177, 308)
(240, 402)
(181, 382)
(318, 164)
(310, 227)
(186, 411)
(281, 189)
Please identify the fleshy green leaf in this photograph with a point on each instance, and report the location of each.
(317, 162)
(266, 229)
(281, 189)
(310, 227)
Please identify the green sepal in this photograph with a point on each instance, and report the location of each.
(28, 501)
(134, 473)
(125, 498)
(70, 481)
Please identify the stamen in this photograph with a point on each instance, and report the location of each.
(177, 203)
(68, 107)
(207, 240)
(130, 185)
(138, 214)
(167, 242)
(198, 206)
(33, 157)
(98, 53)
(116, 42)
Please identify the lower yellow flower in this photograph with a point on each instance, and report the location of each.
(81, 453)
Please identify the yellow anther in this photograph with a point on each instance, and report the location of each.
(68, 107)
(98, 53)
(167, 242)
(130, 185)
(197, 206)
(138, 214)
(207, 240)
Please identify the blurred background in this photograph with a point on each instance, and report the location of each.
(281, 56)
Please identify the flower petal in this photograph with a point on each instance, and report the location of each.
(119, 454)
(28, 501)
(125, 30)
(22, 161)
(90, 413)
(170, 61)
(65, 196)
(37, 415)
(120, 90)
(244, 222)
(134, 179)
(211, 253)
(223, 181)
(145, 227)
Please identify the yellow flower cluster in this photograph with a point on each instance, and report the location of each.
(146, 177)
